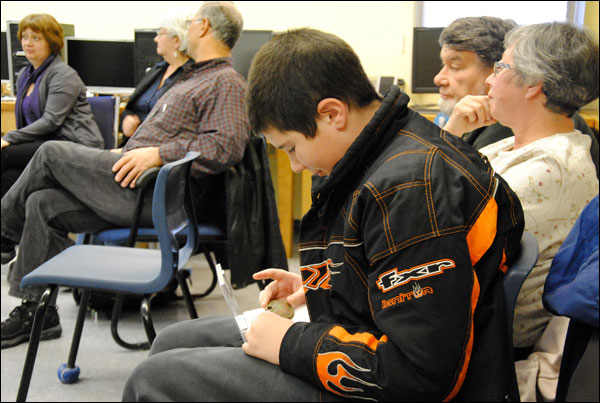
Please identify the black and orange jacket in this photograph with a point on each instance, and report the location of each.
(402, 256)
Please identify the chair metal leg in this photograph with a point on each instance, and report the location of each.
(213, 269)
(187, 297)
(116, 314)
(34, 342)
(85, 297)
(147, 319)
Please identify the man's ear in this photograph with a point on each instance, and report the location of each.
(334, 112)
(533, 91)
(205, 27)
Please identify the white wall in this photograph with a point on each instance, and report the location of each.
(380, 32)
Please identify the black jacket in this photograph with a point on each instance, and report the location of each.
(402, 257)
(254, 237)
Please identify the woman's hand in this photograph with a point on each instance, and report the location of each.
(284, 285)
(4, 143)
(130, 125)
(470, 113)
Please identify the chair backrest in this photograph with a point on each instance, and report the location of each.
(172, 211)
(106, 112)
(516, 275)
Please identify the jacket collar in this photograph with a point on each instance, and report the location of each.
(373, 138)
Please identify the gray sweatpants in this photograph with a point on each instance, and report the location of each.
(66, 187)
(202, 360)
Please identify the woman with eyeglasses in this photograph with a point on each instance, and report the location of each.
(51, 102)
(171, 45)
(546, 74)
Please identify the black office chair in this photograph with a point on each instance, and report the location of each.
(119, 269)
(578, 376)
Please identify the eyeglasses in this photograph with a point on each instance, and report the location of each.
(189, 22)
(498, 67)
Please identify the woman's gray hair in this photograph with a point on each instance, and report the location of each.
(225, 20)
(176, 26)
(563, 57)
(482, 35)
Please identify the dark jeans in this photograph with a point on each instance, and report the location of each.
(14, 160)
(66, 188)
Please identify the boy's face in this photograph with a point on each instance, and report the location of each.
(318, 154)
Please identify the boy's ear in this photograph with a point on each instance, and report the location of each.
(334, 112)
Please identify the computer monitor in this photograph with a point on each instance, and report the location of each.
(5, 74)
(426, 59)
(384, 83)
(105, 66)
(144, 52)
(246, 47)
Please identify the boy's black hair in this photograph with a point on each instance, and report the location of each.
(297, 69)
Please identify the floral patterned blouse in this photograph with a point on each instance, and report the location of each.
(555, 179)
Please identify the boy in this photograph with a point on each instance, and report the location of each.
(401, 254)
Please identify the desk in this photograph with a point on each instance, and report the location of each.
(8, 116)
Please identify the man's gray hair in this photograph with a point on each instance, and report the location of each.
(482, 35)
(176, 26)
(225, 20)
(563, 57)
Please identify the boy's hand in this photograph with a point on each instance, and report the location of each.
(470, 113)
(284, 285)
(265, 336)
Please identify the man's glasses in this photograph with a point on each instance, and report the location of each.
(189, 22)
(498, 67)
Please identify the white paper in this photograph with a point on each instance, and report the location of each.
(244, 319)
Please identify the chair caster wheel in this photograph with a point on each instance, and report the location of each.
(68, 375)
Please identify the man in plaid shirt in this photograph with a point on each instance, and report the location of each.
(69, 188)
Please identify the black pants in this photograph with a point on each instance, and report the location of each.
(15, 158)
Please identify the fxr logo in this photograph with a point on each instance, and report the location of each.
(393, 278)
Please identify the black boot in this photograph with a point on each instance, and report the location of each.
(17, 328)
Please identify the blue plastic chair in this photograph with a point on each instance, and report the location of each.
(119, 269)
(512, 282)
(105, 110)
(516, 275)
(207, 235)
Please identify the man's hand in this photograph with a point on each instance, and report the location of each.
(133, 163)
(4, 143)
(285, 285)
(470, 113)
(265, 336)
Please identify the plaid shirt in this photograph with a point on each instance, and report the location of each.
(204, 112)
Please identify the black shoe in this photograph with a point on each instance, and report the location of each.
(8, 250)
(17, 328)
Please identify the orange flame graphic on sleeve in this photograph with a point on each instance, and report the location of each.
(334, 367)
